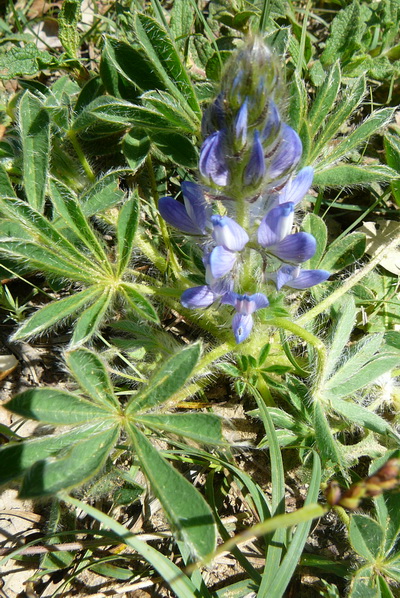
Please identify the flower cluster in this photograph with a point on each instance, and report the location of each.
(247, 161)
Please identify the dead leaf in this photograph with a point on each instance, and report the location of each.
(8, 363)
(379, 235)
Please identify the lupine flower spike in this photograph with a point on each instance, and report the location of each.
(248, 160)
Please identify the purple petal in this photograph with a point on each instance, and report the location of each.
(176, 215)
(296, 189)
(260, 300)
(308, 278)
(288, 153)
(285, 274)
(196, 297)
(195, 204)
(228, 233)
(221, 261)
(241, 326)
(214, 117)
(276, 224)
(241, 123)
(221, 286)
(245, 304)
(297, 248)
(255, 169)
(212, 163)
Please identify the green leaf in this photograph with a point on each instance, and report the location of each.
(325, 98)
(352, 97)
(316, 226)
(345, 175)
(165, 62)
(126, 231)
(188, 513)
(104, 194)
(41, 258)
(136, 146)
(90, 319)
(182, 17)
(55, 312)
(205, 428)
(17, 457)
(345, 37)
(169, 378)
(168, 107)
(363, 584)
(180, 584)
(34, 123)
(45, 233)
(6, 188)
(175, 147)
(69, 209)
(24, 61)
(286, 568)
(392, 153)
(298, 102)
(366, 537)
(68, 20)
(56, 407)
(215, 64)
(379, 365)
(344, 252)
(91, 374)
(360, 416)
(328, 448)
(138, 303)
(276, 540)
(79, 464)
(360, 354)
(343, 320)
(124, 70)
(377, 120)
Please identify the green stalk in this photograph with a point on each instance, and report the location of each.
(82, 158)
(265, 527)
(348, 284)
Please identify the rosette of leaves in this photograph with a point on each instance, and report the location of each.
(68, 248)
(57, 463)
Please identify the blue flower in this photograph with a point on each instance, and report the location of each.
(295, 278)
(230, 238)
(273, 235)
(255, 169)
(212, 163)
(287, 154)
(192, 216)
(245, 305)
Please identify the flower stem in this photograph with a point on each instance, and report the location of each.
(348, 284)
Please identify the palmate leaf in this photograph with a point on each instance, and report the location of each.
(80, 463)
(91, 318)
(56, 312)
(40, 257)
(325, 99)
(367, 537)
(343, 318)
(170, 378)
(103, 194)
(165, 61)
(352, 97)
(137, 302)
(126, 230)
(205, 428)
(17, 457)
(375, 122)
(344, 175)
(68, 207)
(44, 232)
(91, 375)
(343, 252)
(34, 123)
(187, 511)
(54, 406)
